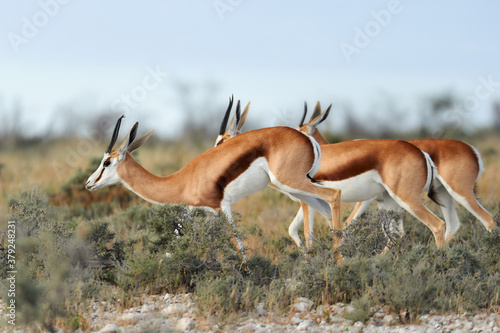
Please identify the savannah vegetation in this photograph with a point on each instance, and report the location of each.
(74, 247)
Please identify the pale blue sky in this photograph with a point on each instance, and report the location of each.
(276, 54)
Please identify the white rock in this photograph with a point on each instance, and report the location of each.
(110, 328)
(261, 311)
(167, 297)
(389, 320)
(303, 299)
(186, 324)
(320, 310)
(175, 308)
(337, 309)
(304, 325)
(145, 308)
(251, 327)
(131, 318)
(295, 320)
(301, 307)
(359, 324)
(416, 329)
(334, 328)
(468, 326)
(302, 304)
(355, 329)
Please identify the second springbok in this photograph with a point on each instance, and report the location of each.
(365, 169)
(225, 174)
(458, 167)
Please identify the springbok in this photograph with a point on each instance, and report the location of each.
(365, 169)
(458, 167)
(225, 174)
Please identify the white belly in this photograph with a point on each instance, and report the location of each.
(359, 188)
(254, 179)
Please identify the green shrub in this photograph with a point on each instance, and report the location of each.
(280, 294)
(262, 270)
(426, 279)
(56, 265)
(349, 280)
(166, 223)
(106, 253)
(179, 229)
(411, 291)
(490, 250)
(186, 244)
(281, 244)
(143, 272)
(29, 210)
(368, 235)
(225, 295)
(138, 215)
(362, 309)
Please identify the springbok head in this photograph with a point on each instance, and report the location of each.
(107, 172)
(316, 118)
(236, 123)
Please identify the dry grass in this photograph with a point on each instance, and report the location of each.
(49, 165)
(488, 186)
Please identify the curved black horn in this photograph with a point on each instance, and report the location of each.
(304, 116)
(115, 135)
(226, 116)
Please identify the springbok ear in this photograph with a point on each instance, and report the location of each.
(232, 131)
(318, 120)
(243, 117)
(139, 142)
(316, 112)
(127, 142)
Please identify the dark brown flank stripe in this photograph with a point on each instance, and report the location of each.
(339, 171)
(346, 171)
(240, 165)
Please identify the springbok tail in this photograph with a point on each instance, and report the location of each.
(432, 193)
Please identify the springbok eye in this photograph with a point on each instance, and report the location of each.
(106, 163)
